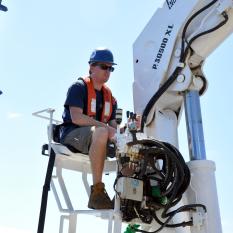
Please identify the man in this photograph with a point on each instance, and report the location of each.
(89, 119)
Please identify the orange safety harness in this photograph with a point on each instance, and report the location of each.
(91, 102)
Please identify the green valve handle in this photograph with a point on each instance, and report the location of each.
(157, 193)
(131, 228)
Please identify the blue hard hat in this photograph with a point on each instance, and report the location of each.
(102, 55)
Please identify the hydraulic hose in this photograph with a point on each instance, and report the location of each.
(182, 57)
(224, 14)
(173, 180)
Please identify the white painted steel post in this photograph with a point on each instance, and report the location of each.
(110, 220)
(50, 111)
(62, 218)
(72, 223)
(64, 190)
(86, 183)
(202, 189)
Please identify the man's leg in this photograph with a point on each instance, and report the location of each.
(96, 138)
(99, 198)
(97, 153)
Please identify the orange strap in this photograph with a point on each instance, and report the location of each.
(91, 101)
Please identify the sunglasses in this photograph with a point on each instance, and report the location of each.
(104, 67)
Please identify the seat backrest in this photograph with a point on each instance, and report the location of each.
(56, 136)
(55, 132)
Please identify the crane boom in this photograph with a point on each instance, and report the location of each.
(171, 50)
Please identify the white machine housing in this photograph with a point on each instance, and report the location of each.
(156, 54)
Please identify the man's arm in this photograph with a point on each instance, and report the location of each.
(81, 119)
(78, 118)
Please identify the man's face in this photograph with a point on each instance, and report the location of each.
(101, 71)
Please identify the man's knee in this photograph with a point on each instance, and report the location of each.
(100, 134)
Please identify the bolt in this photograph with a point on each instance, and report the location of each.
(180, 78)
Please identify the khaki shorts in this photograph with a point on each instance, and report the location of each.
(79, 138)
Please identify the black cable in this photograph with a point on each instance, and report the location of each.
(173, 171)
(171, 215)
(176, 167)
(203, 88)
(158, 94)
(187, 207)
(115, 182)
(187, 24)
(179, 210)
(224, 14)
(180, 158)
(183, 224)
(159, 229)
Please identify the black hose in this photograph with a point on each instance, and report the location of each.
(174, 178)
(224, 14)
(171, 215)
(157, 95)
(182, 57)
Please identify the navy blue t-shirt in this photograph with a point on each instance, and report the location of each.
(77, 97)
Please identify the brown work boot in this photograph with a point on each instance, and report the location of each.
(99, 198)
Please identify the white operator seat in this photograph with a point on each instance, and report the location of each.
(77, 161)
(66, 159)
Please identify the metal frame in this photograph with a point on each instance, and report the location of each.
(65, 159)
(68, 212)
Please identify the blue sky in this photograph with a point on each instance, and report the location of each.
(44, 47)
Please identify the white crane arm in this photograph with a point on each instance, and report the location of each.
(173, 47)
